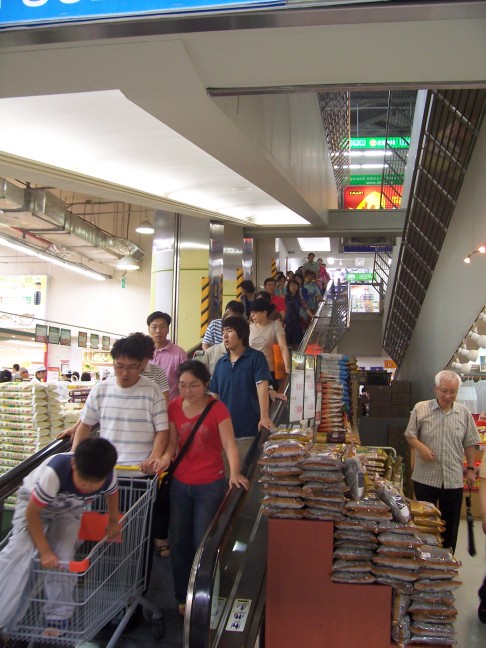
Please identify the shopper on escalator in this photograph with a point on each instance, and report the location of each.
(198, 485)
(241, 380)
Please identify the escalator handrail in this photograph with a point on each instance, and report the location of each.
(206, 561)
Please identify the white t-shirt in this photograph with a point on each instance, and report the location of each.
(129, 417)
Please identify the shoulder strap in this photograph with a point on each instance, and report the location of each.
(190, 438)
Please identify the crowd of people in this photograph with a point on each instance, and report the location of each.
(159, 405)
(146, 412)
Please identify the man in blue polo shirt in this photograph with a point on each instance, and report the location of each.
(241, 381)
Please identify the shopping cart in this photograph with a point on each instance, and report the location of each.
(108, 577)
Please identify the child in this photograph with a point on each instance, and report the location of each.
(47, 517)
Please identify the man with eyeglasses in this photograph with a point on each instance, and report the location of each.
(167, 354)
(130, 408)
(442, 431)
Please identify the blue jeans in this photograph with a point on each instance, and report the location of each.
(192, 509)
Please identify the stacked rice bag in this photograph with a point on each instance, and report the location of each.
(432, 608)
(426, 518)
(324, 488)
(29, 420)
(377, 462)
(331, 428)
(355, 540)
(280, 483)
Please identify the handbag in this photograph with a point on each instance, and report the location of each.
(163, 495)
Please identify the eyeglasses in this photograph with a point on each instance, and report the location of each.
(131, 367)
(447, 392)
(160, 327)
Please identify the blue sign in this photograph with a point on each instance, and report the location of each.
(14, 13)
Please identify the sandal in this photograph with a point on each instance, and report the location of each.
(55, 627)
(162, 548)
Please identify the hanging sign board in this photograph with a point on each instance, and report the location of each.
(14, 13)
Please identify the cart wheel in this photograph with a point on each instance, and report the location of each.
(158, 628)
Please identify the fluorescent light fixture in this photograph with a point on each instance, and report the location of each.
(316, 244)
(128, 263)
(145, 227)
(67, 265)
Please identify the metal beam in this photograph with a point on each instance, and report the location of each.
(341, 222)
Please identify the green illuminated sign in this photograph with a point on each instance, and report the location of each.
(379, 142)
(359, 276)
(368, 179)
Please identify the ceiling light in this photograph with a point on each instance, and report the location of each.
(145, 227)
(467, 259)
(330, 260)
(482, 248)
(128, 263)
(315, 244)
(470, 354)
(462, 368)
(479, 339)
(67, 265)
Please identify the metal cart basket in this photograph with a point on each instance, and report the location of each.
(108, 576)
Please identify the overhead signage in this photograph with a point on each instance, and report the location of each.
(364, 179)
(66, 337)
(379, 142)
(359, 276)
(370, 197)
(53, 335)
(37, 12)
(41, 333)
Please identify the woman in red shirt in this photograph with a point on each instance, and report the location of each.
(198, 485)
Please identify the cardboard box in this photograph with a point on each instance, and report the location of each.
(400, 398)
(379, 393)
(380, 408)
(401, 386)
(401, 410)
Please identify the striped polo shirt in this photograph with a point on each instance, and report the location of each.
(129, 417)
(447, 434)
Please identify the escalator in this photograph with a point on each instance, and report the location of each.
(226, 597)
(226, 600)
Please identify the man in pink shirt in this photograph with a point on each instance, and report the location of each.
(270, 286)
(167, 354)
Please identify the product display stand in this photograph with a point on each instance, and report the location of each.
(304, 607)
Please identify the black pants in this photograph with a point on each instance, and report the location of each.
(449, 502)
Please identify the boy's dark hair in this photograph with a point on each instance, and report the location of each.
(235, 306)
(267, 280)
(248, 285)
(95, 458)
(132, 347)
(159, 315)
(197, 368)
(16, 367)
(240, 326)
(147, 341)
(311, 254)
(309, 273)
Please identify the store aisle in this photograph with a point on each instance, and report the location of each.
(471, 633)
